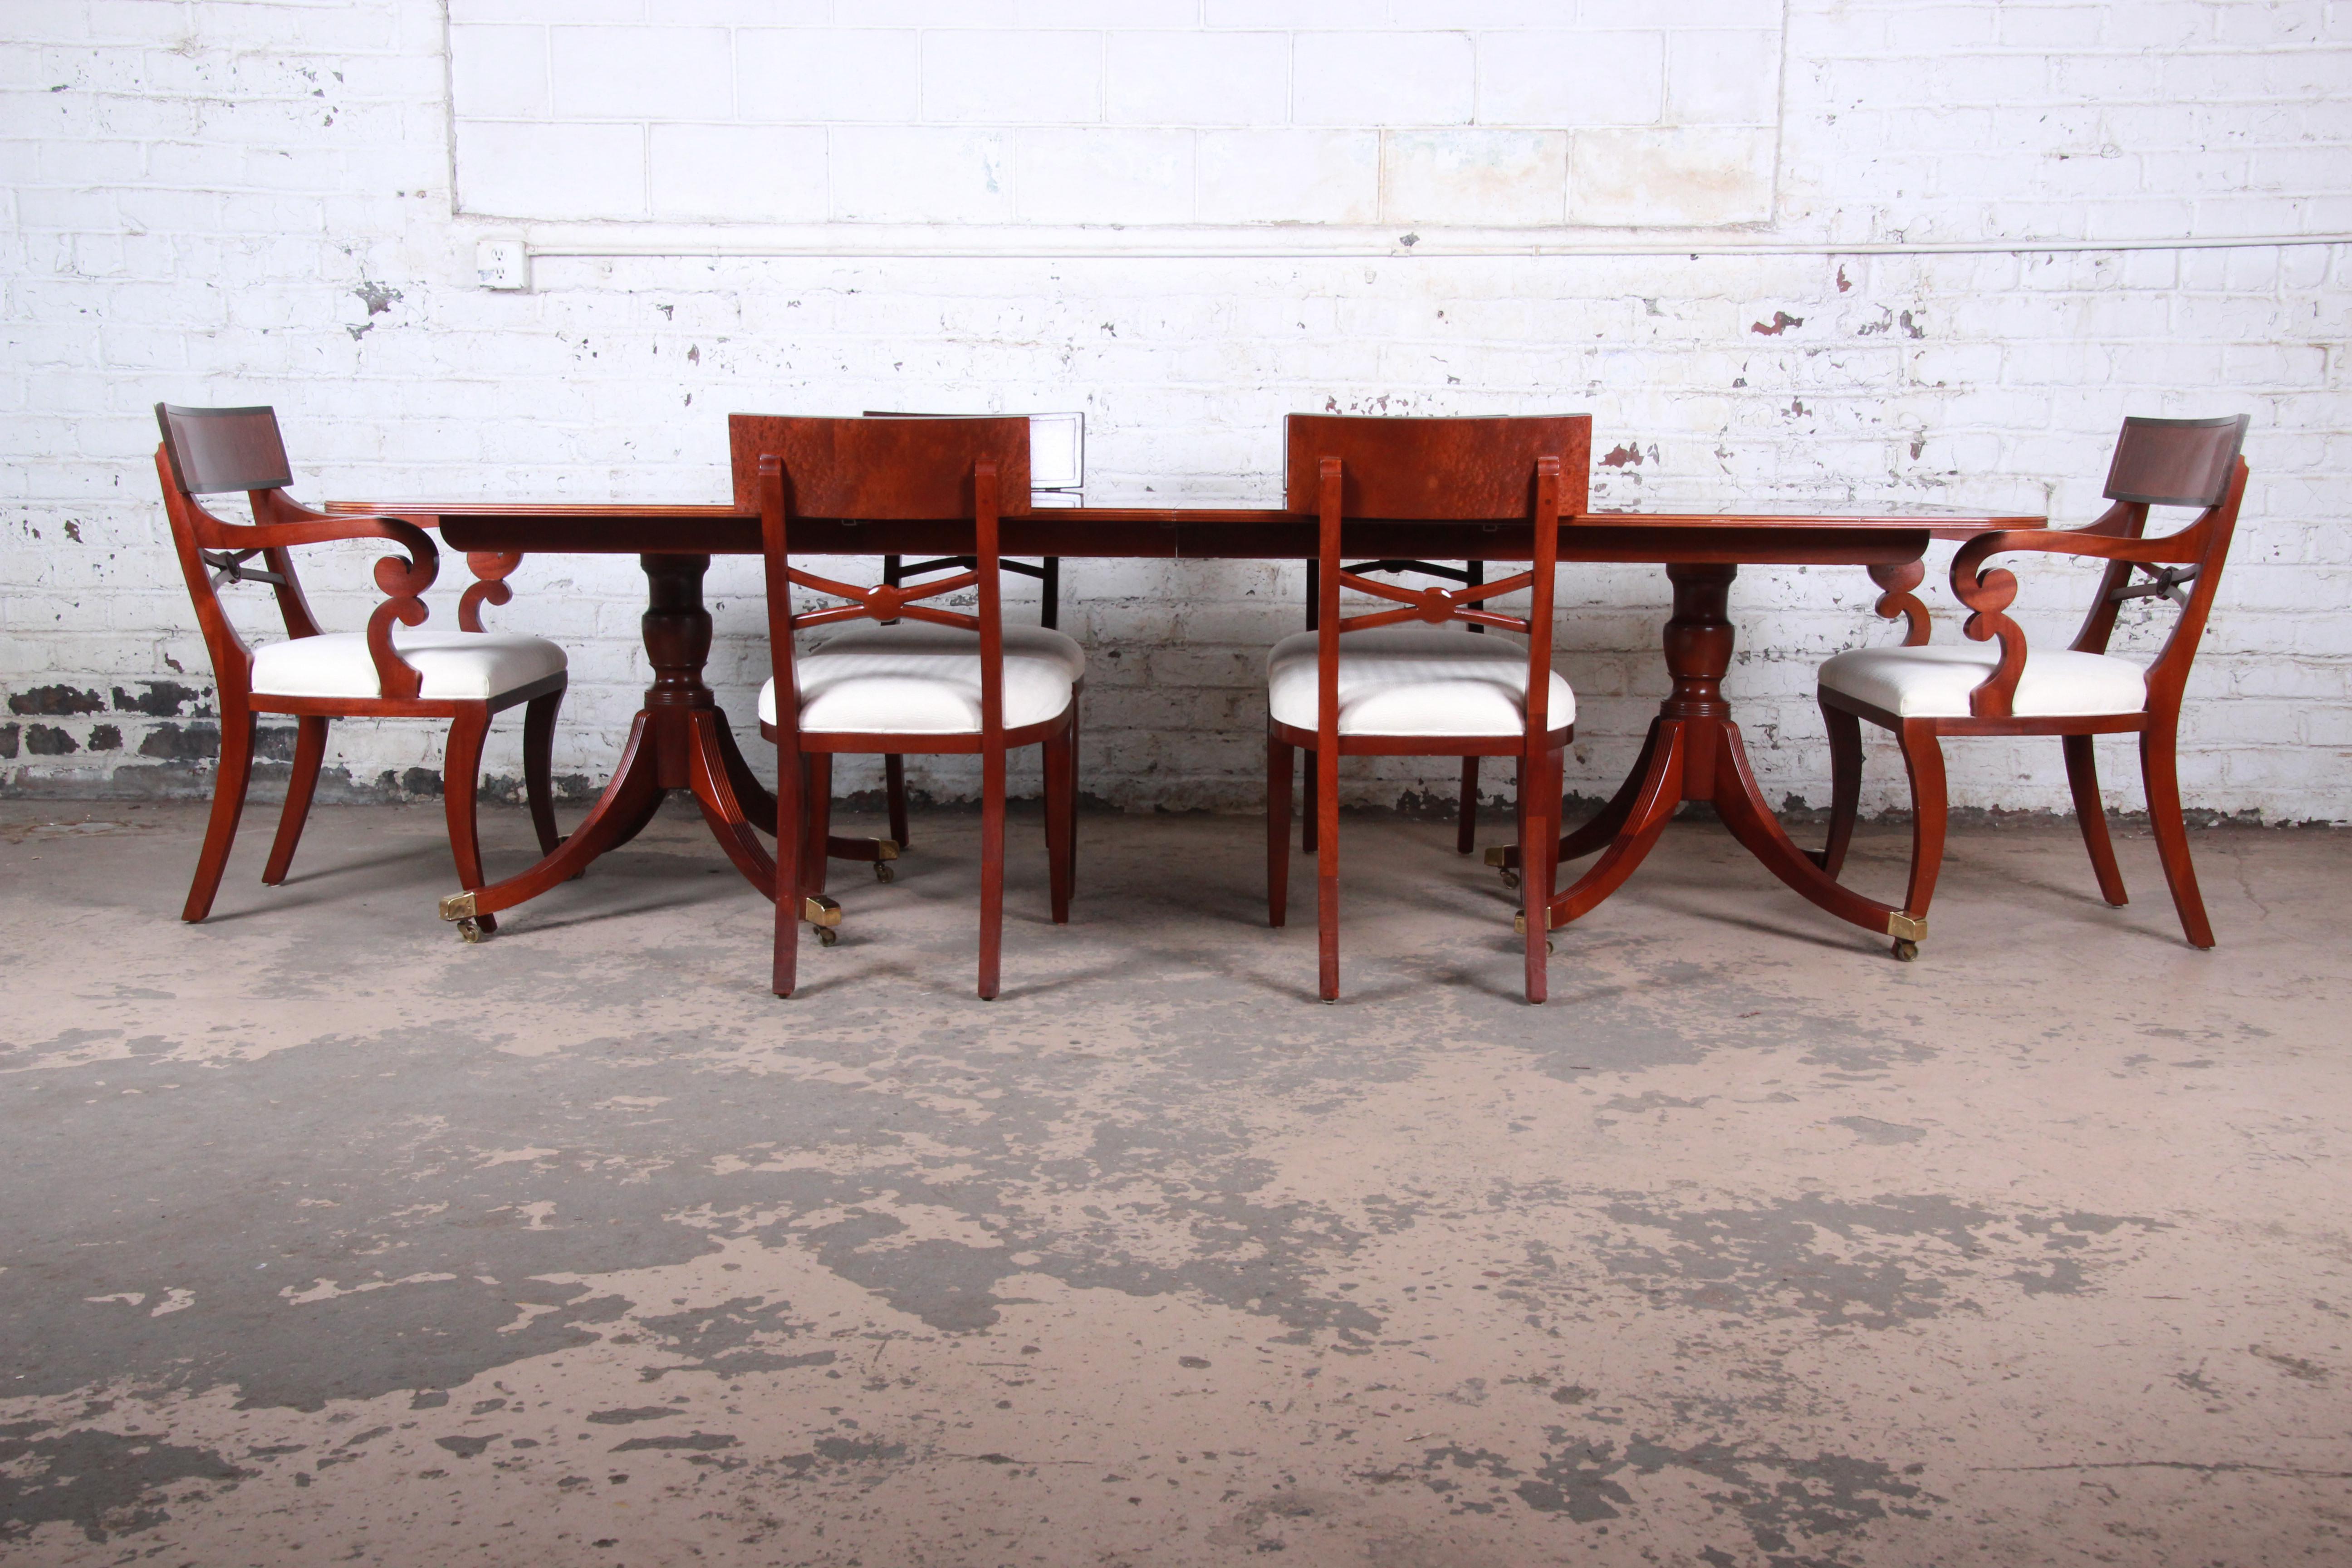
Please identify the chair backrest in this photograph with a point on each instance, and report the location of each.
(2178, 463)
(1531, 469)
(1438, 470)
(214, 451)
(879, 470)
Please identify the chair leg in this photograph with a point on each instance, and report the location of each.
(817, 818)
(1466, 835)
(1075, 731)
(309, 751)
(2159, 771)
(461, 775)
(784, 967)
(2082, 776)
(228, 804)
(1922, 754)
(1061, 819)
(991, 871)
(1845, 784)
(1307, 826)
(1280, 763)
(539, 766)
(894, 791)
(1327, 876)
(1540, 845)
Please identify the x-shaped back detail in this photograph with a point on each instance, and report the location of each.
(1433, 604)
(883, 601)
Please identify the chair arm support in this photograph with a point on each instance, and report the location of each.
(1987, 591)
(402, 579)
(491, 569)
(1899, 601)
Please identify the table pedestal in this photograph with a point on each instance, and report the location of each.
(1694, 752)
(679, 740)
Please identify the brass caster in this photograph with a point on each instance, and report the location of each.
(1510, 879)
(470, 930)
(826, 936)
(1906, 950)
(883, 873)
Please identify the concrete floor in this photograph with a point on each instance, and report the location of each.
(332, 1239)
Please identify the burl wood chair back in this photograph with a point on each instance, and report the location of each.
(1527, 470)
(876, 470)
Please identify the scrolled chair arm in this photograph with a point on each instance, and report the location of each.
(1989, 591)
(402, 579)
(1899, 602)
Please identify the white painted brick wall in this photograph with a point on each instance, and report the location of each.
(201, 202)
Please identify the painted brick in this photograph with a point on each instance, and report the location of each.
(553, 171)
(1198, 78)
(920, 175)
(1474, 177)
(612, 73)
(1383, 79)
(748, 171)
(1018, 76)
(1102, 176)
(850, 74)
(1562, 78)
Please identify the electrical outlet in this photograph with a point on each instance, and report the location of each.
(502, 264)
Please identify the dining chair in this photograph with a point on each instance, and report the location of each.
(922, 681)
(1993, 685)
(389, 671)
(1376, 684)
(1046, 570)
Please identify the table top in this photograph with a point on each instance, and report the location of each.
(1792, 534)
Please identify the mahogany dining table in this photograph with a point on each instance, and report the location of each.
(680, 740)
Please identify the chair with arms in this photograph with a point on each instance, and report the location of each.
(1994, 686)
(937, 682)
(1376, 684)
(315, 677)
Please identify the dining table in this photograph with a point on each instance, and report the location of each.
(681, 740)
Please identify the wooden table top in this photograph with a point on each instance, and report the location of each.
(1769, 534)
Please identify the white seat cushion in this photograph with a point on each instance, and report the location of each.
(1414, 680)
(920, 679)
(453, 666)
(1934, 682)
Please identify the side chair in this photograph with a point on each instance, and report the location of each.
(922, 681)
(1378, 685)
(897, 571)
(1994, 686)
(389, 671)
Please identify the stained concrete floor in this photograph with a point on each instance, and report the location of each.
(328, 1238)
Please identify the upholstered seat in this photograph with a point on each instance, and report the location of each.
(920, 679)
(452, 666)
(1933, 681)
(1414, 680)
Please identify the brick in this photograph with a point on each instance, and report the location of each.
(611, 73)
(1562, 78)
(1383, 79)
(553, 171)
(1698, 177)
(1012, 78)
(1723, 79)
(920, 175)
(1197, 79)
(752, 173)
(1104, 177)
(498, 72)
(826, 74)
(1478, 178)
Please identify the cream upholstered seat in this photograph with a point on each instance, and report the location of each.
(920, 679)
(451, 665)
(1414, 680)
(1933, 681)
